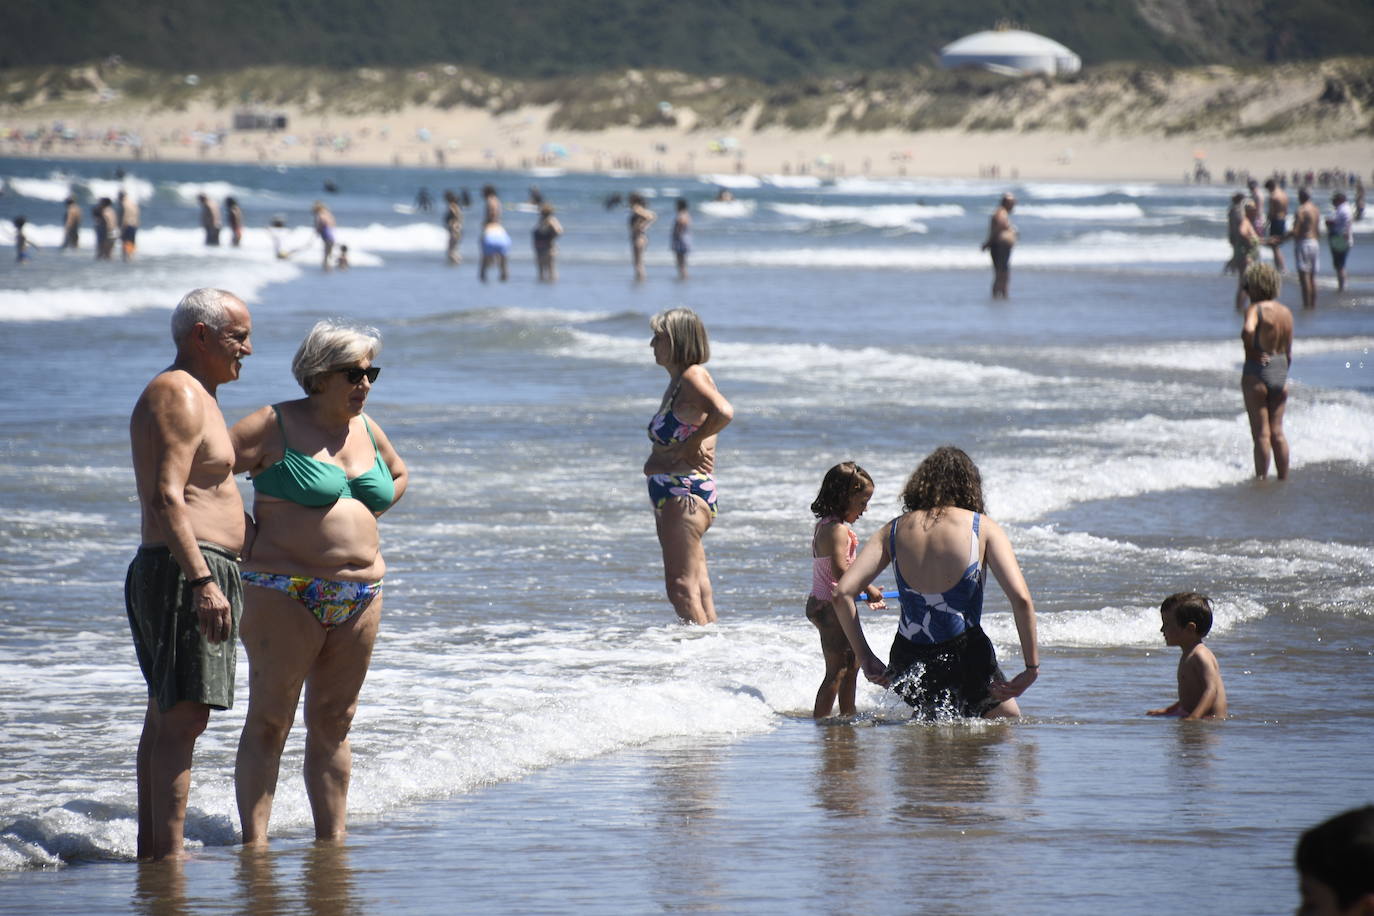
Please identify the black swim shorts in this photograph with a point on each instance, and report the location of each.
(178, 663)
(949, 678)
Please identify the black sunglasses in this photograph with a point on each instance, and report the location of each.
(355, 374)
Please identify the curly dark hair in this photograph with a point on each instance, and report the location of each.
(840, 483)
(947, 477)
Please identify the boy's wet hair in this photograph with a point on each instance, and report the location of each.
(1339, 853)
(1190, 607)
(840, 484)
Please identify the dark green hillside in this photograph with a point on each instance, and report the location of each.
(764, 39)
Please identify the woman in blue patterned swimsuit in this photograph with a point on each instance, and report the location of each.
(322, 473)
(682, 486)
(942, 663)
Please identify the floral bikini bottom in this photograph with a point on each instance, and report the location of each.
(331, 602)
(663, 487)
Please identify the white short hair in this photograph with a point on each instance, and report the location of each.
(206, 306)
(333, 344)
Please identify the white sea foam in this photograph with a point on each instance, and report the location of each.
(882, 216)
(723, 180)
(56, 188)
(138, 188)
(728, 209)
(803, 182)
(188, 191)
(245, 277)
(1047, 190)
(917, 187)
(1093, 249)
(1122, 211)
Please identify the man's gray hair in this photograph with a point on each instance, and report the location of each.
(333, 344)
(206, 306)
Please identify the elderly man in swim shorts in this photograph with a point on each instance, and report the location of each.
(1306, 247)
(183, 594)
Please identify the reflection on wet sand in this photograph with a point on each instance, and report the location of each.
(269, 885)
(965, 774)
(687, 808)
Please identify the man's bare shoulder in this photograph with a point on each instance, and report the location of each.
(174, 397)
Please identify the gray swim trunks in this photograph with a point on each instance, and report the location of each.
(178, 663)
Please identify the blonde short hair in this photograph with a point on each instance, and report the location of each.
(688, 344)
(333, 344)
(1262, 281)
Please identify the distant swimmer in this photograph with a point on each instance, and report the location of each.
(1187, 618)
(22, 243)
(495, 238)
(681, 240)
(1306, 234)
(1001, 237)
(1278, 220)
(209, 219)
(341, 262)
(613, 201)
(108, 229)
(545, 237)
(453, 226)
(1267, 335)
(724, 195)
(641, 218)
(423, 202)
(324, 228)
(71, 224)
(1247, 250)
(1340, 235)
(182, 592)
(129, 219)
(234, 214)
(277, 230)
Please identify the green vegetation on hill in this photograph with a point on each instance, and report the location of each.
(768, 40)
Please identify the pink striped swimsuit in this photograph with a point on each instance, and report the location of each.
(823, 578)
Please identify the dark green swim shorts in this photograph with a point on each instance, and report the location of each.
(178, 663)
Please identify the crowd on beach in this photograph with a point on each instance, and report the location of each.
(300, 578)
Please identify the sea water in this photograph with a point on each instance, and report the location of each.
(537, 732)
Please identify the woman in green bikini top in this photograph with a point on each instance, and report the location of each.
(322, 473)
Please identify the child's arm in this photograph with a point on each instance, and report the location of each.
(872, 560)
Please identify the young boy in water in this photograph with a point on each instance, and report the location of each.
(1335, 862)
(1187, 617)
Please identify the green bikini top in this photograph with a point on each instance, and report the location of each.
(309, 482)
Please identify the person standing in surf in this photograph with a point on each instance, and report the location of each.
(1266, 333)
(680, 469)
(1001, 237)
(641, 217)
(182, 592)
(323, 472)
(843, 497)
(942, 663)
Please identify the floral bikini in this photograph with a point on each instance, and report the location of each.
(666, 429)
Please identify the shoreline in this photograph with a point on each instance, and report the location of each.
(427, 137)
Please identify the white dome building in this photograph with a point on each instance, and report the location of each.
(1011, 52)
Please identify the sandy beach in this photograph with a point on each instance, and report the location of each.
(470, 138)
